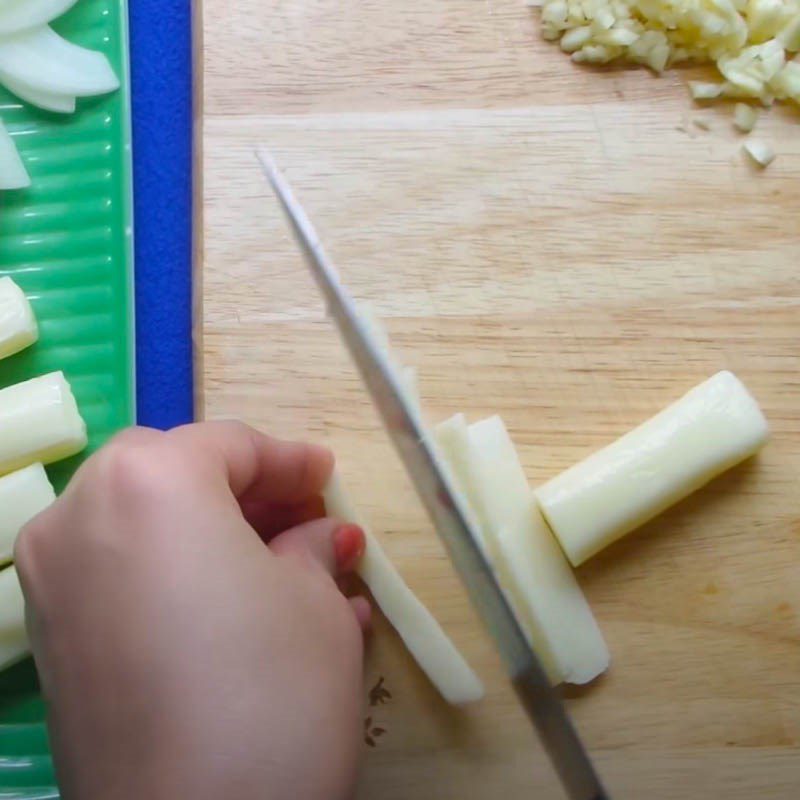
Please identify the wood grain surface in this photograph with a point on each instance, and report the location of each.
(565, 247)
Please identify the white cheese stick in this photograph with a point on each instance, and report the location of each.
(554, 607)
(23, 494)
(453, 440)
(18, 328)
(39, 422)
(14, 644)
(426, 641)
(712, 428)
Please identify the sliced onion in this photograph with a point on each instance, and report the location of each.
(13, 174)
(41, 60)
(49, 101)
(21, 15)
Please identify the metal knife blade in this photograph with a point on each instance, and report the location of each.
(429, 477)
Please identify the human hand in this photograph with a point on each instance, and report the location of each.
(179, 655)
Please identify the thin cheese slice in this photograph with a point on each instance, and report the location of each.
(438, 657)
(39, 422)
(617, 489)
(23, 495)
(18, 328)
(453, 441)
(14, 644)
(555, 608)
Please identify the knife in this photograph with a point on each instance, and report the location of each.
(430, 479)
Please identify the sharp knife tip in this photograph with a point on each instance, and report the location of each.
(277, 181)
(266, 159)
(292, 208)
(270, 169)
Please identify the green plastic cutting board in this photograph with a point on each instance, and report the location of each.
(67, 241)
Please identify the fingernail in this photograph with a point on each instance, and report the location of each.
(349, 544)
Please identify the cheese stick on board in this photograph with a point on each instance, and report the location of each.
(709, 430)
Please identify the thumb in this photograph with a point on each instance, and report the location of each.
(334, 546)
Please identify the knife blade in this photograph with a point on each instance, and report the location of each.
(430, 479)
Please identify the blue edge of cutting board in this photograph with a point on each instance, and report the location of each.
(161, 97)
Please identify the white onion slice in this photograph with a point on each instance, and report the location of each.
(42, 60)
(13, 174)
(49, 101)
(21, 15)
(18, 326)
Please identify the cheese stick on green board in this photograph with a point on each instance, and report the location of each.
(39, 422)
(23, 494)
(14, 644)
(18, 328)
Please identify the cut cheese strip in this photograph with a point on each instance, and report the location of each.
(23, 494)
(407, 378)
(39, 422)
(14, 645)
(554, 607)
(426, 641)
(18, 328)
(712, 428)
(453, 440)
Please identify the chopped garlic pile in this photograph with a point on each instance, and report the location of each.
(750, 41)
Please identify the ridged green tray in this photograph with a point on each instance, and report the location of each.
(68, 242)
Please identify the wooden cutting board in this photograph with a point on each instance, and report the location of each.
(566, 247)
